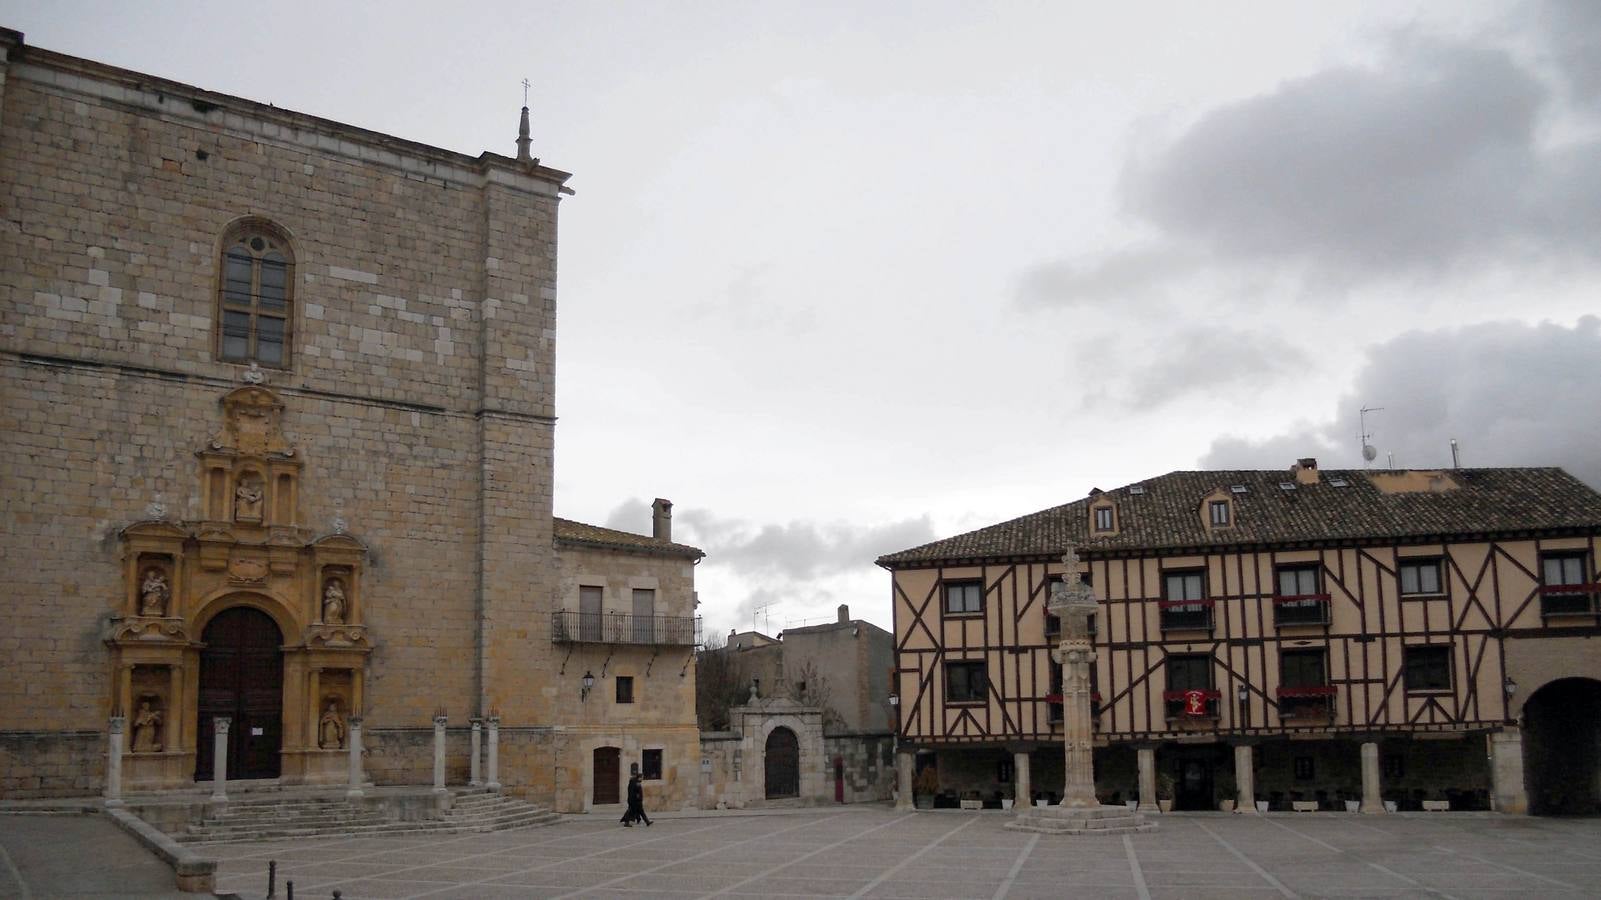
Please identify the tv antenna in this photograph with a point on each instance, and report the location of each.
(1369, 452)
(765, 612)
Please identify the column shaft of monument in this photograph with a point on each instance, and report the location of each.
(1078, 730)
(1372, 797)
(1244, 778)
(493, 782)
(904, 761)
(114, 761)
(219, 758)
(353, 740)
(1025, 787)
(477, 750)
(439, 754)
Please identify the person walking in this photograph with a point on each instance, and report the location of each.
(636, 802)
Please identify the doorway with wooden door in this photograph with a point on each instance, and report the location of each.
(241, 678)
(608, 775)
(782, 764)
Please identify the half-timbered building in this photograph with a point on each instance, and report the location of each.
(1377, 639)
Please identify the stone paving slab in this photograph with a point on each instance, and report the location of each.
(876, 852)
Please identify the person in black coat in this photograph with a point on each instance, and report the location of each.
(636, 802)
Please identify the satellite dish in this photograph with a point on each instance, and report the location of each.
(1369, 453)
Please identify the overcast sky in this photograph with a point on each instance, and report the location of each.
(843, 278)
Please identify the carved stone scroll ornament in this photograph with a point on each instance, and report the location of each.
(333, 603)
(154, 593)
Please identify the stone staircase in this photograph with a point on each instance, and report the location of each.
(282, 818)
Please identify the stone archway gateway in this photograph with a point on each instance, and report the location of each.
(1562, 748)
(782, 764)
(241, 678)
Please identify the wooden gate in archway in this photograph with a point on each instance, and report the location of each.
(241, 678)
(782, 764)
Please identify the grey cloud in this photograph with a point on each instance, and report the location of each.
(1513, 394)
(1426, 164)
(1209, 358)
(1574, 27)
(798, 550)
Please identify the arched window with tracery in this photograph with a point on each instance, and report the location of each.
(256, 297)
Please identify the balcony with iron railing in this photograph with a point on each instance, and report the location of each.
(1300, 609)
(570, 627)
(1185, 615)
(1570, 599)
(1307, 701)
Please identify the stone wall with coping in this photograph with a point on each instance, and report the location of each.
(866, 764)
(51, 763)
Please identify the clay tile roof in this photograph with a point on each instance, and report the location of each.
(1168, 515)
(578, 534)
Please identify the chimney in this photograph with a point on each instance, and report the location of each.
(1305, 470)
(661, 519)
(844, 612)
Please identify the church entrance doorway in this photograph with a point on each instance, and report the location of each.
(1562, 748)
(608, 772)
(782, 764)
(241, 678)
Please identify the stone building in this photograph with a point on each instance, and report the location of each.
(276, 424)
(1373, 639)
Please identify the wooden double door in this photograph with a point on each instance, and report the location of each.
(241, 678)
(781, 764)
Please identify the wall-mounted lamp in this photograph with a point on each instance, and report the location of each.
(1244, 693)
(1510, 686)
(588, 683)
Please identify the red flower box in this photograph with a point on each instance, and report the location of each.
(1053, 698)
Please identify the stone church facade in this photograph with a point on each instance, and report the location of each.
(276, 432)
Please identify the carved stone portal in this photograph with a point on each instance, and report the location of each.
(244, 546)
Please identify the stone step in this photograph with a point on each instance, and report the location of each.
(481, 812)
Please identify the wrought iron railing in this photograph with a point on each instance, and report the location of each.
(1186, 615)
(1301, 609)
(570, 627)
(1569, 599)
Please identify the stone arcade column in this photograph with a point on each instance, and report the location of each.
(1245, 778)
(904, 761)
(353, 741)
(114, 760)
(477, 749)
(219, 758)
(1025, 789)
(1506, 772)
(493, 783)
(1146, 757)
(1372, 794)
(439, 754)
(1080, 811)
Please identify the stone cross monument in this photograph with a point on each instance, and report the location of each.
(1079, 813)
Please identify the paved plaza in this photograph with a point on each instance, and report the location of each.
(876, 852)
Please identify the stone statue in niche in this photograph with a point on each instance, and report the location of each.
(331, 728)
(333, 603)
(247, 500)
(154, 592)
(147, 728)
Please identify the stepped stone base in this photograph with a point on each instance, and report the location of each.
(271, 816)
(1081, 820)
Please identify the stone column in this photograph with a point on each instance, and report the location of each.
(173, 738)
(114, 760)
(1025, 789)
(1147, 760)
(477, 750)
(904, 761)
(1372, 796)
(493, 782)
(1506, 772)
(1245, 778)
(439, 754)
(219, 758)
(314, 708)
(353, 741)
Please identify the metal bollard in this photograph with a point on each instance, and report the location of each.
(272, 878)
(337, 895)
(289, 887)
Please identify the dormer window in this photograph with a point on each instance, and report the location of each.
(1218, 512)
(1104, 518)
(1237, 488)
